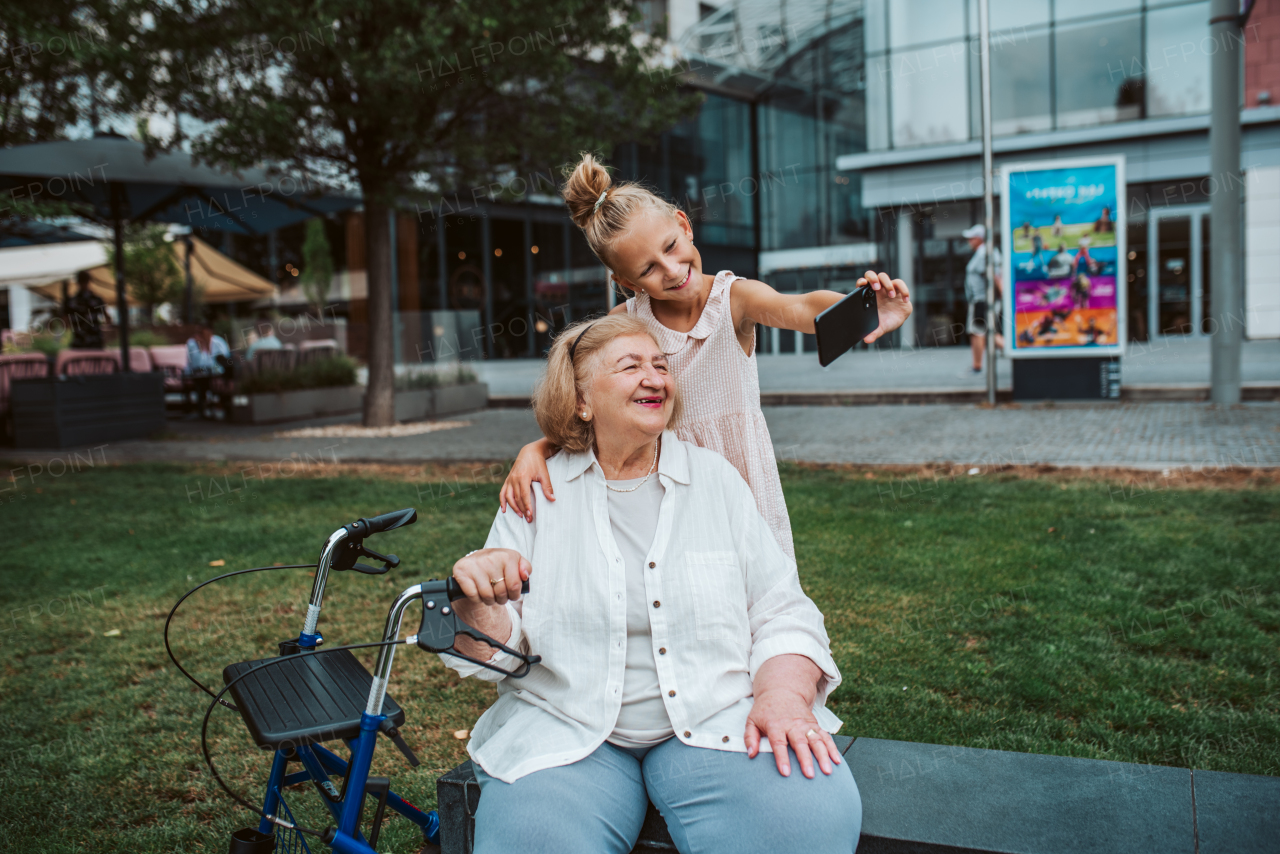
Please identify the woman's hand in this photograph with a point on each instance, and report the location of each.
(489, 578)
(785, 688)
(530, 467)
(893, 302)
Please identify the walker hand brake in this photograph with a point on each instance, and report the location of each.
(441, 627)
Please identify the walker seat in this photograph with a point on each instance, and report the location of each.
(312, 699)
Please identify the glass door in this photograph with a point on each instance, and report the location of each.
(1176, 264)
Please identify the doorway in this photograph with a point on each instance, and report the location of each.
(1177, 272)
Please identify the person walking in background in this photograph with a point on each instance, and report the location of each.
(85, 311)
(975, 291)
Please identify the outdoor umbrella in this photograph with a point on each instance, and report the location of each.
(219, 278)
(114, 180)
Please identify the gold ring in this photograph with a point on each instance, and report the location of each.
(495, 581)
(810, 734)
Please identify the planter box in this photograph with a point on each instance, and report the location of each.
(416, 405)
(461, 398)
(421, 404)
(272, 408)
(64, 412)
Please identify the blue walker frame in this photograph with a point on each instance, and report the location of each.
(440, 627)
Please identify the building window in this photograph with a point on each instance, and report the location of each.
(927, 95)
(1062, 65)
(1093, 81)
(917, 22)
(1077, 9)
(1177, 66)
(1019, 81)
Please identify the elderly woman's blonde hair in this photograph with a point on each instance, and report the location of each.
(556, 399)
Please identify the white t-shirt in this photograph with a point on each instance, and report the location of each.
(633, 516)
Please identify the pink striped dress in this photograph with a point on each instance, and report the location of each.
(720, 392)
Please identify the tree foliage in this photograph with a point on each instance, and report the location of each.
(398, 97)
(154, 277)
(317, 265)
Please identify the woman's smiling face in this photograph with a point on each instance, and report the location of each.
(657, 256)
(631, 390)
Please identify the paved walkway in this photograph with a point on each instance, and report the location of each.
(1146, 435)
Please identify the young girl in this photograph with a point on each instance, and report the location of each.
(706, 326)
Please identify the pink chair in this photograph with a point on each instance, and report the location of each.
(74, 363)
(139, 359)
(19, 366)
(172, 360)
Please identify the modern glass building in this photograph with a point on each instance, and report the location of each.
(838, 135)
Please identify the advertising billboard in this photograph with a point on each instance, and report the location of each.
(1063, 224)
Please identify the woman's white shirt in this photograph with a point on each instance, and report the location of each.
(722, 599)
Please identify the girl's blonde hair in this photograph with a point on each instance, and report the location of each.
(555, 400)
(603, 221)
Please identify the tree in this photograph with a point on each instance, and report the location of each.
(317, 265)
(394, 96)
(154, 275)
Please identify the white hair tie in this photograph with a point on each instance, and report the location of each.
(600, 201)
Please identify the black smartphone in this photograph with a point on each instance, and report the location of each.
(845, 324)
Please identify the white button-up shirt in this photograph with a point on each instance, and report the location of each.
(723, 599)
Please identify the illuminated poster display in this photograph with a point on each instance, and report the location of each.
(1063, 221)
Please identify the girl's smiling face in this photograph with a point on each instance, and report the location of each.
(657, 256)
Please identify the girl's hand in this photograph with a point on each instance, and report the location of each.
(530, 467)
(893, 302)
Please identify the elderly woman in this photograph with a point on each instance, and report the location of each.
(676, 642)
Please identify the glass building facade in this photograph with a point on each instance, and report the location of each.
(827, 129)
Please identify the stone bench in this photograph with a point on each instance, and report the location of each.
(931, 799)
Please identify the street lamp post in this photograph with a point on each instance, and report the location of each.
(1225, 297)
(984, 31)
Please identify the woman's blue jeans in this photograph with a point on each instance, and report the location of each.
(714, 801)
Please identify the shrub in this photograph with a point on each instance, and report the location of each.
(147, 338)
(461, 375)
(322, 373)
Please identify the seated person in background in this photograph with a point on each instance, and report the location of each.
(207, 358)
(268, 341)
(677, 644)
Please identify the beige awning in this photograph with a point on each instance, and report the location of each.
(218, 278)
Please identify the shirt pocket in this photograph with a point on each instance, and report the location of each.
(719, 596)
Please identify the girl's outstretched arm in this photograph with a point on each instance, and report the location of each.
(755, 302)
(530, 466)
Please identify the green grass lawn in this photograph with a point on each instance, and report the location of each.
(1051, 615)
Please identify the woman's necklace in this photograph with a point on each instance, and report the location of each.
(652, 466)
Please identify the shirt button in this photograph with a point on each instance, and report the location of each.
(687, 733)
(671, 693)
(657, 604)
(662, 650)
(652, 564)
(725, 739)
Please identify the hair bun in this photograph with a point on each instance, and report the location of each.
(586, 182)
